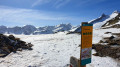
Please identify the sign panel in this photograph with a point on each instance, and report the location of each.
(86, 43)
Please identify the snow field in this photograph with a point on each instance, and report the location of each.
(55, 50)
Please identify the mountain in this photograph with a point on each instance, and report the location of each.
(3, 29)
(113, 20)
(30, 29)
(104, 21)
(102, 18)
(53, 29)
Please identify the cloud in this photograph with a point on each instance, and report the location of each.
(29, 16)
(40, 2)
(60, 3)
(55, 3)
(89, 2)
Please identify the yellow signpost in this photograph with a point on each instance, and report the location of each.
(86, 43)
(86, 47)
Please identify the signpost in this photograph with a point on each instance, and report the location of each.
(86, 47)
(86, 44)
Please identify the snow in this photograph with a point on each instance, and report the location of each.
(55, 50)
(102, 18)
(118, 22)
(99, 24)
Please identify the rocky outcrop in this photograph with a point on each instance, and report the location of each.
(107, 50)
(113, 26)
(108, 46)
(10, 44)
(113, 20)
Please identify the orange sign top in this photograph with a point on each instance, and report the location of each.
(87, 36)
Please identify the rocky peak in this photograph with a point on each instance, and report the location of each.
(103, 15)
(116, 12)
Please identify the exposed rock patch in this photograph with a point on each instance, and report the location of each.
(106, 50)
(108, 46)
(10, 44)
(113, 26)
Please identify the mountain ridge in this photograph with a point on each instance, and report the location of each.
(30, 29)
(104, 21)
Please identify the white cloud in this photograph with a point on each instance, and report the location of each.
(89, 2)
(55, 3)
(60, 3)
(28, 16)
(40, 2)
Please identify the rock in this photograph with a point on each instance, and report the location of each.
(107, 32)
(96, 54)
(106, 38)
(10, 44)
(29, 45)
(11, 37)
(5, 49)
(111, 37)
(106, 50)
(19, 49)
(2, 55)
(101, 41)
(18, 39)
(74, 62)
(30, 48)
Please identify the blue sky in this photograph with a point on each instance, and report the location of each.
(53, 12)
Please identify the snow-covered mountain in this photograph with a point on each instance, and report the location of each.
(30, 29)
(103, 21)
(102, 18)
(63, 46)
(113, 19)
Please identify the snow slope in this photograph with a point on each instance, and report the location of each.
(55, 50)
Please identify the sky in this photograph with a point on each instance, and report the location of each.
(53, 12)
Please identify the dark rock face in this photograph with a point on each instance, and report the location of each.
(106, 50)
(113, 26)
(10, 44)
(102, 18)
(112, 21)
(111, 49)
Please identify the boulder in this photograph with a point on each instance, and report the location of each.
(10, 44)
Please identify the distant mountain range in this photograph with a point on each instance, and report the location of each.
(104, 21)
(30, 29)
